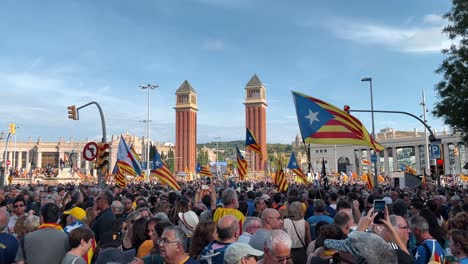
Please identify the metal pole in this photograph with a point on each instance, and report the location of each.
(373, 126)
(426, 148)
(148, 120)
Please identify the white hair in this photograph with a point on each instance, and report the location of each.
(277, 236)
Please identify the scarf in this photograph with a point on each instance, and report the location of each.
(51, 225)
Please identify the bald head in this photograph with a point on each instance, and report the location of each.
(4, 219)
(228, 228)
(272, 219)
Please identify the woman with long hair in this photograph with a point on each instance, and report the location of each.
(299, 231)
(204, 233)
(181, 206)
(139, 234)
(459, 245)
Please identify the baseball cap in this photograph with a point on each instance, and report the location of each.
(237, 250)
(76, 212)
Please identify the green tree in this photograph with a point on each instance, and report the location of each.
(453, 89)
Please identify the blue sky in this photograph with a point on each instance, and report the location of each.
(59, 53)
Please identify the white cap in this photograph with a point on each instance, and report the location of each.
(237, 250)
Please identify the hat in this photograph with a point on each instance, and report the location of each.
(189, 219)
(237, 250)
(364, 245)
(265, 197)
(76, 212)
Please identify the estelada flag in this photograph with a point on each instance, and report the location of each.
(251, 142)
(296, 169)
(323, 123)
(161, 170)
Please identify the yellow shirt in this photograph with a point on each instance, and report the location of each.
(220, 212)
(145, 248)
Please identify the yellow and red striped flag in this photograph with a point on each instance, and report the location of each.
(323, 123)
(280, 179)
(241, 165)
(204, 170)
(296, 169)
(161, 170)
(251, 142)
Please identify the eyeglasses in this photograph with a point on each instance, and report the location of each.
(18, 206)
(404, 227)
(278, 258)
(164, 240)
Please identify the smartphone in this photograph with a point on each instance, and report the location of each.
(208, 181)
(204, 187)
(379, 208)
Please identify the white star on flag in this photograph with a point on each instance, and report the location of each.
(157, 163)
(312, 116)
(294, 164)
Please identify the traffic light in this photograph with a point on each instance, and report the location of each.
(102, 160)
(12, 128)
(72, 113)
(346, 108)
(440, 166)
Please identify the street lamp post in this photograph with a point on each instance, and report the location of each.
(217, 167)
(148, 87)
(369, 79)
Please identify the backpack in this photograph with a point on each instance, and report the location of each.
(213, 256)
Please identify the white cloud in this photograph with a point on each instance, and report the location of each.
(433, 19)
(415, 39)
(213, 44)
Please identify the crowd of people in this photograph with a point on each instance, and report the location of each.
(229, 222)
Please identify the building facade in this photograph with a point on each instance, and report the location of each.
(62, 158)
(401, 148)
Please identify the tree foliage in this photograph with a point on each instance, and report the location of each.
(453, 89)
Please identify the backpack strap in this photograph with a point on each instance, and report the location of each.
(428, 251)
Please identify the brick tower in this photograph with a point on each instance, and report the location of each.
(255, 118)
(186, 128)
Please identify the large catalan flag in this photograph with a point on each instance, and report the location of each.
(280, 180)
(251, 142)
(204, 170)
(241, 165)
(323, 123)
(296, 169)
(161, 170)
